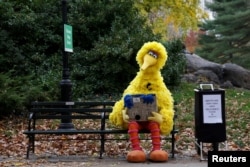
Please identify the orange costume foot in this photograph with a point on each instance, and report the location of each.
(136, 156)
(158, 156)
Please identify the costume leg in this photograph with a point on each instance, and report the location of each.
(136, 155)
(155, 135)
(133, 129)
(156, 154)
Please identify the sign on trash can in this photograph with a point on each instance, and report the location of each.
(210, 123)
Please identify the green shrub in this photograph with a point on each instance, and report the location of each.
(175, 65)
(17, 92)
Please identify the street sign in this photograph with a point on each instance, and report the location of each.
(68, 38)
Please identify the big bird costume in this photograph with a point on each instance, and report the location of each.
(151, 59)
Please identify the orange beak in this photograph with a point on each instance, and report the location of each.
(148, 61)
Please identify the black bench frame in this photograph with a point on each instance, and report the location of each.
(78, 110)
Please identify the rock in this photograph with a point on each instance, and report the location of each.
(201, 76)
(207, 75)
(189, 77)
(200, 70)
(195, 62)
(226, 85)
(237, 75)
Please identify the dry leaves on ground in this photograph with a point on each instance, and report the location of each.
(13, 143)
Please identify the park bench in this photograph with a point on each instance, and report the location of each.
(76, 110)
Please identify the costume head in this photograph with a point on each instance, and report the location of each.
(152, 56)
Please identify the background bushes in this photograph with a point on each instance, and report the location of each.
(106, 40)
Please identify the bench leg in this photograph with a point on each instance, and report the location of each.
(28, 150)
(102, 145)
(173, 144)
(31, 145)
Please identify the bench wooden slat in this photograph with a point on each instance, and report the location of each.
(66, 117)
(72, 110)
(70, 103)
(64, 132)
(93, 131)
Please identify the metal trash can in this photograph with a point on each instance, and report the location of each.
(210, 124)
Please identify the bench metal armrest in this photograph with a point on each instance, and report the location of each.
(103, 120)
(30, 121)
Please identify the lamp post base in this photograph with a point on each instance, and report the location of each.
(66, 86)
(68, 126)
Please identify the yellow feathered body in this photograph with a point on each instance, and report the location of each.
(149, 81)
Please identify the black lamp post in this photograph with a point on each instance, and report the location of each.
(65, 83)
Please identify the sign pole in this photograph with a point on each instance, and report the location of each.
(66, 85)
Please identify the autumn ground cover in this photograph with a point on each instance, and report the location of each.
(13, 142)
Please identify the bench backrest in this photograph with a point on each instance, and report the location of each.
(77, 110)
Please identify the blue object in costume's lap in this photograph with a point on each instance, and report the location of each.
(148, 98)
(128, 99)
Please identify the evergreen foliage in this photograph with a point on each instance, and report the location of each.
(228, 36)
(106, 36)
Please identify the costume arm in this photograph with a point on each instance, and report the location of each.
(167, 121)
(116, 117)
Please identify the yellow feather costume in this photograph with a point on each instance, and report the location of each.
(149, 81)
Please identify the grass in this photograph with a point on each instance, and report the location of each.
(237, 110)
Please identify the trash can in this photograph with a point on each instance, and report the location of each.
(210, 125)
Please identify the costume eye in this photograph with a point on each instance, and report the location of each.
(153, 54)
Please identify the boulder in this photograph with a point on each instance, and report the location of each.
(208, 75)
(195, 62)
(201, 76)
(237, 75)
(200, 70)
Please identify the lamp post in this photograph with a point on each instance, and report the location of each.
(66, 85)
